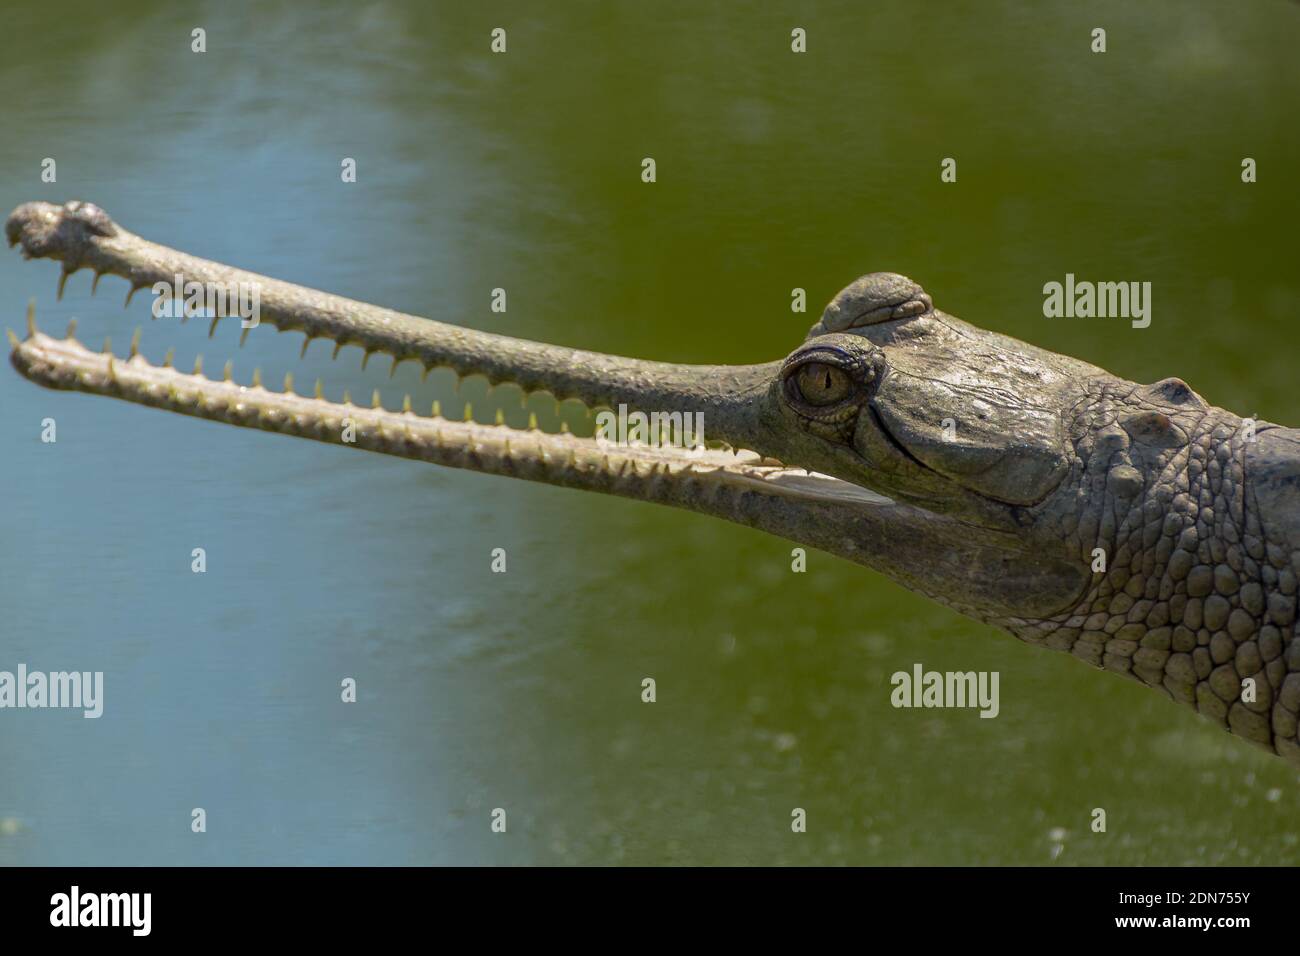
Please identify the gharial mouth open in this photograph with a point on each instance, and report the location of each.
(82, 236)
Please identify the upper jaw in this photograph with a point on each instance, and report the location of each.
(81, 235)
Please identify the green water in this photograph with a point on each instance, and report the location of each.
(522, 691)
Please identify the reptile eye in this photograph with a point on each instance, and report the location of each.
(818, 384)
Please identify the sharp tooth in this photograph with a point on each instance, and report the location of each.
(63, 281)
(288, 383)
(337, 347)
(257, 378)
(347, 397)
(501, 417)
(320, 389)
(169, 358)
(437, 409)
(31, 316)
(306, 341)
(564, 427)
(129, 292)
(94, 283)
(374, 400)
(532, 421)
(243, 335)
(108, 345)
(212, 329)
(406, 404)
(226, 372)
(135, 344)
(365, 359)
(198, 365)
(72, 329)
(14, 341)
(393, 371)
(469, 412)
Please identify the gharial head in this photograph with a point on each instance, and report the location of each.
(894, 434)
(894, 395)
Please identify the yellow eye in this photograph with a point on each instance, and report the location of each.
(820, 384)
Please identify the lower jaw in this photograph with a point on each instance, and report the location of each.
(648, 471)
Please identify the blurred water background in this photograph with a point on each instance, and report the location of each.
(522, 690)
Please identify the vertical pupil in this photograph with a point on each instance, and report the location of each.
(820, 383)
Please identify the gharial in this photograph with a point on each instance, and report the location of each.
(1135, 526)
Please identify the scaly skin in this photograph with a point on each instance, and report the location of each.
(1135, 526)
